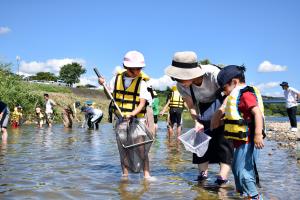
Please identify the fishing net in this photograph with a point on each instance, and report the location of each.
(134, 142)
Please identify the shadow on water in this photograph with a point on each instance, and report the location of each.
(60, 163)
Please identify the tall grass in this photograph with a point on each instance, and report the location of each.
(14, 92)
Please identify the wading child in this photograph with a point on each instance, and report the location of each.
(175, 104)
(244, 124)
(93, 116)
(130, 93)
(16, 117)
(4, 119)
(39, 116)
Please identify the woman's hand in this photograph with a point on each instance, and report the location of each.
(198, 126)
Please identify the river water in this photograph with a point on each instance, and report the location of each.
(59, 163)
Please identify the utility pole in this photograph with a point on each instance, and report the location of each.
(18, 58)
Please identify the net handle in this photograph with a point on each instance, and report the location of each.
(137, 144)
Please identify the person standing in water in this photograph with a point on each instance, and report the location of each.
(4, 119)
(291, 96)
(49, 109)
(130, 93)
(244, 124)
(199, 88)
(175, 104)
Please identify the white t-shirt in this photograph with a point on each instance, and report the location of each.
(207, 91)
(291, 96)
(144, 94)
(49, 106)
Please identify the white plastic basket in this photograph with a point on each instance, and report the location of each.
(195, 142)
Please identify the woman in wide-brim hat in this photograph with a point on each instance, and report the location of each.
(199, 88)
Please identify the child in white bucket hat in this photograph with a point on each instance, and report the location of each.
(199, 88)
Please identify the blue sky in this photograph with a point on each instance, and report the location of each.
(46, 34)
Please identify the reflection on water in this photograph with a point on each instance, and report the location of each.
(75, 163)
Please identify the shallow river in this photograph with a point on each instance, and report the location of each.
(59, 163)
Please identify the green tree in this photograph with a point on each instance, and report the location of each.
(46, 76)
(204, 62)
(71, 73)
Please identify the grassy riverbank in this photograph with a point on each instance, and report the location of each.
(14, 91)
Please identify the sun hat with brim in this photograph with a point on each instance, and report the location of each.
(228, 73)
(284, 84)
(184, 66)
(134, 59)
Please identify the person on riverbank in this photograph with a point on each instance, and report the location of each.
(39, 116)
(93, 116)
(244, 125)
(4, 119)
(16, 117)
(130, 93)
(199, 89)
(291, 96)
(49, 109)
(175, 105)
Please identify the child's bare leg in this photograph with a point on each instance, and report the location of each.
(4, 134)
(124, 170)
(146, 168)
(203, 167)
(224, 170)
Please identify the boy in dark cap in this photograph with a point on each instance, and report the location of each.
(244, 123)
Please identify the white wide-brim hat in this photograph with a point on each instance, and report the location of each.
(184, 66)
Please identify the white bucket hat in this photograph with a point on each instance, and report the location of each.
(134, 59)
(184, 66)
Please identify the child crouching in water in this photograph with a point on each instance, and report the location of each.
(39, 116)
(244, 124)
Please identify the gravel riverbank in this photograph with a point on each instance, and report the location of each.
(279, 131)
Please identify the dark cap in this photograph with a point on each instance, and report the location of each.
(228, 73)
(284, 84)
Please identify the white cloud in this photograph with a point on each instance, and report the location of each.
(4, 30)
(88, 80)
(263, 86)
(161, 83)
(51, 65)
(274, 94)
(267, 89)
(267, 66)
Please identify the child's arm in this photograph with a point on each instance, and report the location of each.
(258, 136)
(138, 109)
(165, 108)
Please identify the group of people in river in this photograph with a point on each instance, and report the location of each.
(218, 99)
(220, 103)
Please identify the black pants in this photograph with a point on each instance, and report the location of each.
(292, 116)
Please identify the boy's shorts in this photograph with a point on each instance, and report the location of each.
(175, 116)
(4, 120)
(155, 119)
(49, 118)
